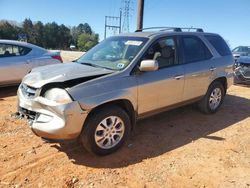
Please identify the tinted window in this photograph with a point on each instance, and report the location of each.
(219, 44)
(195, 50)
(163, 51)
(7, 50)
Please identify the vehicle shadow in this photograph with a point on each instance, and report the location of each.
(165, 132)
(8, 91)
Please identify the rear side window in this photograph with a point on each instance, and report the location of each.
(219, 44)
(7, 50)
(195, 50)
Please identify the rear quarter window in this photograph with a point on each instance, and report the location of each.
(219, 44)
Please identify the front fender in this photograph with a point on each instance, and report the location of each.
(90, 96)
(97, 100)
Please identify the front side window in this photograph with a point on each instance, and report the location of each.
(195, 50)
(115, 53)
(7, 50)
(163, 51)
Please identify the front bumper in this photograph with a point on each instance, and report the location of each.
(52, 121)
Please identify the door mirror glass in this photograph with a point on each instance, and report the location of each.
(149, 65)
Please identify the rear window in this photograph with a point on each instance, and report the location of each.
(219, 44)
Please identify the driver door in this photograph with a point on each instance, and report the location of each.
(164, 87)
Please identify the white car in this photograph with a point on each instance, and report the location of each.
(18, 58)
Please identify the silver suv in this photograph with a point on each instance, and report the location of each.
(99, 97)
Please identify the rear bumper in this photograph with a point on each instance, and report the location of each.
(52, 122)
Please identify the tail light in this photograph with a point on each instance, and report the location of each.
(58, 57)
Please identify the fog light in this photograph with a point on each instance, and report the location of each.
(43, 118)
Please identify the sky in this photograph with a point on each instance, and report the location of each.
(229, 18)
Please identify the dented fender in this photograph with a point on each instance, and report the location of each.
(120, 88)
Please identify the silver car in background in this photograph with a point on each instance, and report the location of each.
(18, 58)
(99, 97)
(241, 51)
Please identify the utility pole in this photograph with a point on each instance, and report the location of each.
(140, 14)
(108, 19)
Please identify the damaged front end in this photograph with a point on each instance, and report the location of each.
(242, 73)
(52, 119)
(44, 100)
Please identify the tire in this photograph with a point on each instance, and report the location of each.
(105, 130)
(209, 104)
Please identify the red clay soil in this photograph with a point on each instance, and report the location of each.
(180, 148)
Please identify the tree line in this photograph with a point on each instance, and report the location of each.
(50, 35)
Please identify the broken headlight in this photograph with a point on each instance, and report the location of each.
(58, 95)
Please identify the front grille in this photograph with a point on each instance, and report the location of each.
(28, 92)
(28, 114)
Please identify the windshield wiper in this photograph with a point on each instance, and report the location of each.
(90, 64)
(94, 65)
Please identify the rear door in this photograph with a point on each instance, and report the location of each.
(14, 63)
(198, 67)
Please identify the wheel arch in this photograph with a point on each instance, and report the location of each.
(223, 81)
(125, 104)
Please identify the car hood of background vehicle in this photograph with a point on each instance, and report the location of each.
(244, 59)
(61, 73)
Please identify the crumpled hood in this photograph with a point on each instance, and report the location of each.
(244, 59)
(61, 73)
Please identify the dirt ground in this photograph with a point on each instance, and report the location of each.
(70, 55)
(179, 148)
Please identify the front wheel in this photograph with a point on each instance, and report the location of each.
(106, 130)
(213, 99)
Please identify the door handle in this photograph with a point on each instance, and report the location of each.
(178, 77)
(212, 69)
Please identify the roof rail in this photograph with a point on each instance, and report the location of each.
(175, 29)
(158, 28)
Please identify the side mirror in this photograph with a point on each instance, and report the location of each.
(149, 65)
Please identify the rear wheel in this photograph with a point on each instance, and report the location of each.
(213, 99)
(106, 130)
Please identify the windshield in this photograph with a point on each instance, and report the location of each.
(115, 53)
